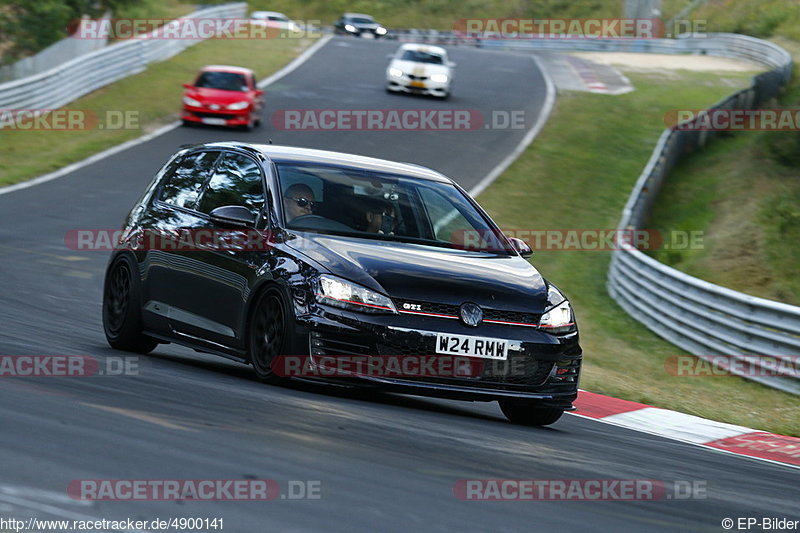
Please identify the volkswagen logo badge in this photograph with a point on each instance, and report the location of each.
(471, 314)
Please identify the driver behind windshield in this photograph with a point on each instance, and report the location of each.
(298, 200)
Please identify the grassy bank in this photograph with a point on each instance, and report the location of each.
(440, 14)
(578, 174)
(154, 96)
(743, 191)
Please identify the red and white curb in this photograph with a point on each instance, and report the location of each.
(738, 440)
(592, 81)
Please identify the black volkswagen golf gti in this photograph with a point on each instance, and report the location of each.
(362, 271)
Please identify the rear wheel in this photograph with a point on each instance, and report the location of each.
(528, 414)
(268, 334)
(122, 322)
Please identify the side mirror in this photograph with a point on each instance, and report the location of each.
(233, 215)
(259, 93)
(451, 64)
(521, 247)
(187, 86)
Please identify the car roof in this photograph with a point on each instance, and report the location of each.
(267, 14)
(424, 47)
(283, 154)
(226, 68)
(351, 15)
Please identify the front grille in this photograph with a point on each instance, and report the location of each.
(567, 371)
(518, 317)
(204, 114)
(511, 316)
(519, 369)
(420, 78)
(339, 344)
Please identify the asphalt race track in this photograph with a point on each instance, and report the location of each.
(384, 462)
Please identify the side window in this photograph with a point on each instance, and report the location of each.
(186, 179)
(236, 181)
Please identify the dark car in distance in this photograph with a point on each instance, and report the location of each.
(359, 25)
(355, 258)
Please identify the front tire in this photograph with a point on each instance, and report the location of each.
(268, 334)
(528, 414)
(122, 320)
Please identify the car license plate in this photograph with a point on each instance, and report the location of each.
(367, 35)
(417, 84)
(214, 121)
(486, 348)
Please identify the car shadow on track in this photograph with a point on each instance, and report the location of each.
(347, 392)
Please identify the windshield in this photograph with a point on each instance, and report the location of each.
(361, 20)
(346, 201)
(226, 81)
(421, 57)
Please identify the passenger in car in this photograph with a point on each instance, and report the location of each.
(380, 217)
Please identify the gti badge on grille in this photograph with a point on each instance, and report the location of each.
(471, 314)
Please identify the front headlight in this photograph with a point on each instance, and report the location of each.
(237, 106)
(341, 293)
(191, 102)
(439, 78)
(558, 316)
(381, 31)
(349, 27)
(395, 72)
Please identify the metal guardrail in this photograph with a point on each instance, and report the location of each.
(82, 75)
(700, 317)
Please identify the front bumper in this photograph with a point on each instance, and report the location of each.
(407, 85)
(216, 117)
(370, 33)
(540, 367)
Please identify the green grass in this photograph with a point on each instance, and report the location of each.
(155, 95)
(760, 18)
(578, 174)
(749, 209)
(440, 14)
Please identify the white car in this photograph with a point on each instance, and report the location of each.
(420, 69)
(273, 19)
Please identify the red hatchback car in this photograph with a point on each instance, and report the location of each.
(223, 96)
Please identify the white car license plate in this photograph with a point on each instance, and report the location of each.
(486, 348)
(214, 121)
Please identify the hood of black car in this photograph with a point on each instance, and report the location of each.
(427, 273)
